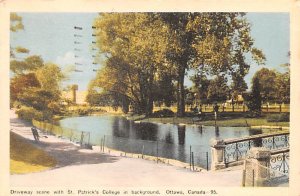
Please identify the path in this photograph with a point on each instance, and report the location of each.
(90, 168)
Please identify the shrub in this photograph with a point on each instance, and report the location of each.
(29, 113)
(163, 113)
(278, 117)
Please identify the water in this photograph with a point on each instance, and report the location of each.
(166, 140)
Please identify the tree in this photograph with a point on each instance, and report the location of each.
(200, 87)
(211, 42)
(29, 64)
(254, 100)
(15, 22)
(21, 83)
(283, 84)
(218, 89)
(50, 77)
(283, 87)
(134, 44)
(267, 81)
(145, 44)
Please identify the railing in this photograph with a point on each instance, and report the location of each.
(194, 158)
(280, 160)
(255, 174)
(236, 149)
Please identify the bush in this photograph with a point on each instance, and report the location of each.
(278, 117)
(163, 113)
(29, 113)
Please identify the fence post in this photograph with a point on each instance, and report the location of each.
(143, 152)
(103, 143)
(260, 157)
(190, 157)
(207, 161)
(279, 108)
(217, 154)
(157, 152)
(193, 161)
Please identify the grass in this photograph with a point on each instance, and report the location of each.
(26, 158)
(234, 122)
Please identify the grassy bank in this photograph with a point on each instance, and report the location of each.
(26, 158)
(231, 122)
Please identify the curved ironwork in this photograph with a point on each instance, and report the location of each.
(236, 149)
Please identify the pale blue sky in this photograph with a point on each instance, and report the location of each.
(51, 35)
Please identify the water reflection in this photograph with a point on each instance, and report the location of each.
(181, 134)
(166, 140)
(257, 142)
(217, 131)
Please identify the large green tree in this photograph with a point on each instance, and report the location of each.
(211, 42)
(146, 44)
(218, 89)
(135, 45)
(267, 80)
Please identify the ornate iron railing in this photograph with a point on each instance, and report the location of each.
(236, 149)
(280, 160)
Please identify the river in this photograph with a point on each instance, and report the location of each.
(165, 140)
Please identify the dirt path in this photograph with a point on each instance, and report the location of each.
(90, 168)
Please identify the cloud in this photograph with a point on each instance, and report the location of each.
(69, 58)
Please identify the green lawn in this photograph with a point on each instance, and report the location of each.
(234, 122)
(26, 158)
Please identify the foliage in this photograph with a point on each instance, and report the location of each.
(267, 81)
(50, 77)
(20, 83)
(29, 113)
(135, 46)
(275, 86)
(142, 48)
(284, 117)
(16, 22)
(29, 64)
(163, 113)
(254, 99)
(20, 49)
(200, 87)
(218, 89)
(283, 87)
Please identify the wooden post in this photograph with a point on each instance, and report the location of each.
(253, 177)
(81, 139)
(103, 143)
(207, 161)
(157, 152)
(244, 174)
(190, 157)
(244, 178)
(193, 161)
(279, 108)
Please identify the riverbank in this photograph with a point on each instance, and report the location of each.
(234, 122)
(82, 167)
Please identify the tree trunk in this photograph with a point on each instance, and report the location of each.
(149, 108)
(180, 92)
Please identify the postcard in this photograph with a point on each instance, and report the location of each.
(149, 98)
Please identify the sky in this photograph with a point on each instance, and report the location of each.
(51, 35)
